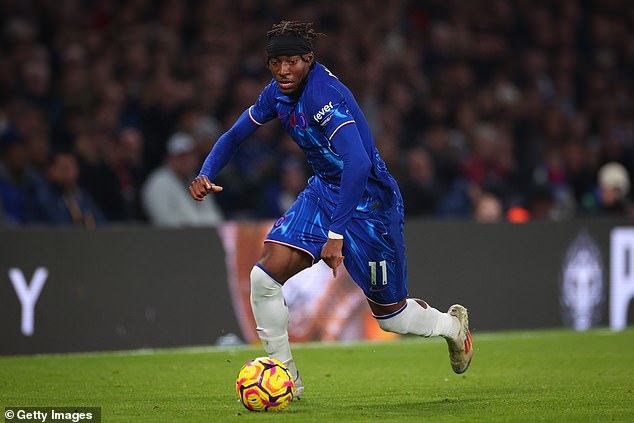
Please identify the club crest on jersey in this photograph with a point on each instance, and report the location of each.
(323, 112)
(302, 121)
(299, 120)
(279, 221)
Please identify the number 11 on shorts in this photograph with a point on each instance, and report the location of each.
(383, 266)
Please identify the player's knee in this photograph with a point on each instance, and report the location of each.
(398, 321)
(263, 285)
(392, 324)
(390, 317)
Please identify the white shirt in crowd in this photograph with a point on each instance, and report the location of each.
(167, 202)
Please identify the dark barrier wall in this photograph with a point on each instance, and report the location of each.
(113, 289)
(135, 288)
(508, 275)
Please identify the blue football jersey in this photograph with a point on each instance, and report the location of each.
(312, 119)
(371, 222)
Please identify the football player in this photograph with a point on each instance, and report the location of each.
(351, 211)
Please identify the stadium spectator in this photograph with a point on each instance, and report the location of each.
(94, 150)
(4, 221)
(164, 194)
(490, 164)
(59, 200)
(551, 77)
(611, 195)
(421, 192)
(278, 197)
(129, 167)
(38, 147)
(488, 209)
(16, 179)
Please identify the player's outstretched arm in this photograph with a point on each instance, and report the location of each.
(219, 156)
(201, 186)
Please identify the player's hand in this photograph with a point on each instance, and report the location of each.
(201, 186)
(331, 254)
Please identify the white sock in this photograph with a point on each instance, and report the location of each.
(416, 319)
(271, 317)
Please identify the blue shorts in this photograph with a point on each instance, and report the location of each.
(373, 248)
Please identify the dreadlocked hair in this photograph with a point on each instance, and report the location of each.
(301, 29)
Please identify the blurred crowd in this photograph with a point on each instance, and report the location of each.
(489, 110)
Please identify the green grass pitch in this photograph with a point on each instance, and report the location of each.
(553, 376)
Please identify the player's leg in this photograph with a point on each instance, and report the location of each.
(375, 258)
(291, 246)
(276, 265)
(414, 316)
(376, 261)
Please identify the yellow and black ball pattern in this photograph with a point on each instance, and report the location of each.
(264, 384)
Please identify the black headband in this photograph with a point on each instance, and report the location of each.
(288, 45)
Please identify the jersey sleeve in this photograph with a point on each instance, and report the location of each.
(227, 145)
(354, 176)
(330, 111)
(251, 119)
(264, 108)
